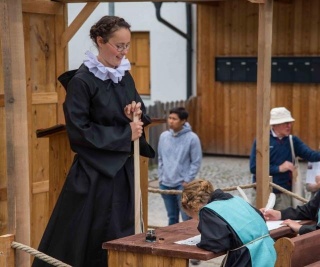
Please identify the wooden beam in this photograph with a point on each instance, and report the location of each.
(285, 1)
(7, 253)
(42, 7)
(61, 60)
(263, 1)
(263, 101)
(77, 22)
(257, 1)
(40, 187)
(1, 100)
(106, 1)
(17, 148)
(44, 98)
(3, 194)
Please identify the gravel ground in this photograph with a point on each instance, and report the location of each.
(222, 172)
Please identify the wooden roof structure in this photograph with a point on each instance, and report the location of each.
(16, 96)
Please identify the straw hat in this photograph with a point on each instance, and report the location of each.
(280, 115)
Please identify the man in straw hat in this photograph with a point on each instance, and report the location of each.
(281, 158)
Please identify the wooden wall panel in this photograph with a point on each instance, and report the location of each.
(3, 176)
(3, 157)
(39, 31)
(45, 97)
(39, 217)
(205, 76)
(228, 110)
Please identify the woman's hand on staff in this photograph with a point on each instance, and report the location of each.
(133, 109)
(136, 129)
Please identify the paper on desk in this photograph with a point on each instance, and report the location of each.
(192, 241)
(275, 224)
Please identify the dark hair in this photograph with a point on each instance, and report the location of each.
(181, 112)
(106, 26)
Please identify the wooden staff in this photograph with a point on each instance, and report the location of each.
(138, 223)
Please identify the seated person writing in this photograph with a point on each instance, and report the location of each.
(228, 223)
(308, 211)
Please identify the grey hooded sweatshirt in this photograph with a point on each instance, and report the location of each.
(179, 156)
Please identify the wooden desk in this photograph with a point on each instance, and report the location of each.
(136, 252)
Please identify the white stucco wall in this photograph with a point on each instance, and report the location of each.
(167, 48)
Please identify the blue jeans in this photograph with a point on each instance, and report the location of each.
(173, 204)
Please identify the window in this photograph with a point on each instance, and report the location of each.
(139, 56)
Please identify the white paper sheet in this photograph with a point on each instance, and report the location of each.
(192, 241)
(276, 224)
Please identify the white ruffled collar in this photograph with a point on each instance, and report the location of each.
(104, 73)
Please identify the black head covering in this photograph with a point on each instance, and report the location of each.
(65, 78)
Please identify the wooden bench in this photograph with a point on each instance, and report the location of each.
(299, 251)
(315, 264)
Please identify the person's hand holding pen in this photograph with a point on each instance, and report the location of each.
(271, 215)
(268, 212)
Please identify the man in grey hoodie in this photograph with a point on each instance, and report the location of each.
(179, 160)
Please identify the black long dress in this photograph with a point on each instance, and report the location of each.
(96, 203)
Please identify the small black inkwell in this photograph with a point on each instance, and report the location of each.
(151, 236)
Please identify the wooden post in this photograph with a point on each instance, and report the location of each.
(6, 252)
(144, 173)
(137, 189)
(17, 135)
(263, 101)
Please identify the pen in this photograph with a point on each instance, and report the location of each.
(271, 202)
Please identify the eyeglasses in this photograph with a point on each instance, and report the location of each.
(120, 48)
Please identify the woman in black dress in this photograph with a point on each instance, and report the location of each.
(96, 203)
